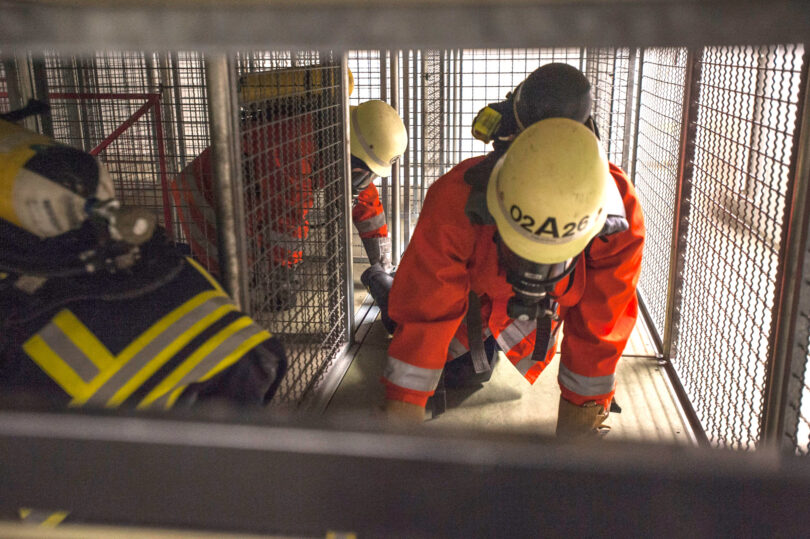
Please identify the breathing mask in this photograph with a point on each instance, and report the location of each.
(532, 283)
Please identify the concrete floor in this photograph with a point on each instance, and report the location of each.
(508, 402)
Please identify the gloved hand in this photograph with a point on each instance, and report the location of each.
(378, 282)
(581, 422)
(404, 412)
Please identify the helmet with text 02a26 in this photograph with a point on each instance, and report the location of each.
(547, 194)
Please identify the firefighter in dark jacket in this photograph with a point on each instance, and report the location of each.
(96, 306)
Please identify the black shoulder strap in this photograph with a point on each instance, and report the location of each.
(474, 335)
(477, 176)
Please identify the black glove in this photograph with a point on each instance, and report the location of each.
(378, 283)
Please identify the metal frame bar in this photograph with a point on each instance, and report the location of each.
(347, 206)
(227, 177)
(679, 230)
(88, 26)
(789, 303)
(396, 192)
(303, 480)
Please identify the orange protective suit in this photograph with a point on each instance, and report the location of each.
(279, 160)
(448, 256)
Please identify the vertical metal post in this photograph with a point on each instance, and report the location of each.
(347, 199)
(396, 210)
(793, 297)
(384, 97)
(422, 73)
(20, 86)
(679, 231)
(227, 176)
(178, 110)
(628, 111)
(406, 159)
(40, 78)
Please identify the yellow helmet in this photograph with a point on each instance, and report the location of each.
(378, 136)
(548, 193)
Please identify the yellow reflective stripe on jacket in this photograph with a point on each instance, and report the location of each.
(59, 353)
(45, 519)
(217, 353)
(213, 282)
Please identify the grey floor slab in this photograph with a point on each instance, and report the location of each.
(509, 403)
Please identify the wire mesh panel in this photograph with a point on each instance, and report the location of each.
(295, 192)
(127, 108)
(610, 73)
(745, 117)
(656, 169)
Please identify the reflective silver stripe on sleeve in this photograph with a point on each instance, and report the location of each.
(411, 377)
(515, 333)
(370, 224)
(211, 361)
(457, 349)
(62, 346)
(161, 341)
(586, 385)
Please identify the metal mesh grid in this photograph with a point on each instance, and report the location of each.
(293, 148)
(656, 169)
(743, 149)
(141, 114)
(440, 94)
(746, 110)
(609, 71)
(4, 104)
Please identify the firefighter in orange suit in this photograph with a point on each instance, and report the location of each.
(97, 308)
(279, 166)
(541, 231)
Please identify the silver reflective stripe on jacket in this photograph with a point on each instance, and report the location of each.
(370, 224)
(410, 376)
(586, 385)
(514, 333)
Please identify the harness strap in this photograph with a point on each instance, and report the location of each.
(475, 336)
(541, 338)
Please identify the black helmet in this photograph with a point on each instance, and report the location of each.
(551, 91)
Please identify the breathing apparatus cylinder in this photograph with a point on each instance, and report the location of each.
(48, 189)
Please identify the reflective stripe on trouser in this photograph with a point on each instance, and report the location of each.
(371, 224)
(586, 385)
(45, 519)
(81, 364)
(410, 376)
